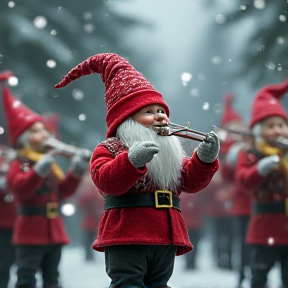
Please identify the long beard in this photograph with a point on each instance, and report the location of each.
(165, 167)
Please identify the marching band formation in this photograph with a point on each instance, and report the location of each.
(145, 200)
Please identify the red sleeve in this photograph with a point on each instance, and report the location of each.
(246, 172)
(69, 185)
(23, 184)
(227, 172)
(113, 175)
(197, 174)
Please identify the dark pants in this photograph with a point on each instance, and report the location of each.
(194, 236)
(139, 266)
(89, 237)
(223, 242)
(240, 229)
(263, 258)
(31, 258)
(7, 256)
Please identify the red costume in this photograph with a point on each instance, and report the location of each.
(132, 227)
(39, 230)
(150, 228)
(268, 227)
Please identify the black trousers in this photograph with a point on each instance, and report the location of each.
(139, 266)
(190, 258)
(7, 256)
(263, 258)
(223, 242)
(240, 229)
(88, 239)
(31, 258)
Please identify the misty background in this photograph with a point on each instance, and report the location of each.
(193, 52)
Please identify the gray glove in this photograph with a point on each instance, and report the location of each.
(267, 164)
(208, 150)
(42, 167)
(79, 164)
(233, 152)
(141, 153)
(3, 183)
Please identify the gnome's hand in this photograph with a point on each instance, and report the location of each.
(267, 164)
(233, 152)
(141, 153)
(208, 150)
(42, 167)
(79, 164)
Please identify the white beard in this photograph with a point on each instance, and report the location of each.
(165, 167)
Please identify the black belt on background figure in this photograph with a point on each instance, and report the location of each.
(270, 207)
(158, 199)
(50, 210)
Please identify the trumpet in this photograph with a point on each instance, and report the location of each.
(172, 129)
(280, 142)
(66, 149)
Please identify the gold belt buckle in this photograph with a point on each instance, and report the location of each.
(163, 199)
(286, 207)
(52, 210)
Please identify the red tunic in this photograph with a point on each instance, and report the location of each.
(241, 199)
(92, 204)
(7, 211)
(217, 198)
(33, 190)
(113, 174)
(266, 228)
(192, 208)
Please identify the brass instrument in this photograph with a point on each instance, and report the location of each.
(224, 132)
(280, 142)
(171, 129)
(66, 149)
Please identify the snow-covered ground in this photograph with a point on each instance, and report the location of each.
(76, 273)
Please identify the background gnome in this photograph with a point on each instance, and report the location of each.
(263, 170)
(141, 176)
(38, 184)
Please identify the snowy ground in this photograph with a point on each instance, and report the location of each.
(76, 273)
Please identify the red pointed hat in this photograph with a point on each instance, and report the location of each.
(229, 113)
(51, 123)
(267, 104)
(19, 117)
(127, 91)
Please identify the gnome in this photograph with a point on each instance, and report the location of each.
(8, 208)
(263, 169)
(141, 176)
(236, 197)
(38, 184)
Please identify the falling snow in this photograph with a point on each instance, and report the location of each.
(40, 22)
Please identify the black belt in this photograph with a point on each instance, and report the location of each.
(158, 199)
(50, 210)
(270, 207)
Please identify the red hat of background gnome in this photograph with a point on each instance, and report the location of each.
(266, 103)
(19, 117)
(127, 91)
(52, 122)
(229, 113)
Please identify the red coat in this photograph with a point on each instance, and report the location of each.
(263, 228)
(33, 190)
(218, 198)
(241, 199)
(192, 209)
(113, 174)
(7, 206)
(7, 211)
(92, 204)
